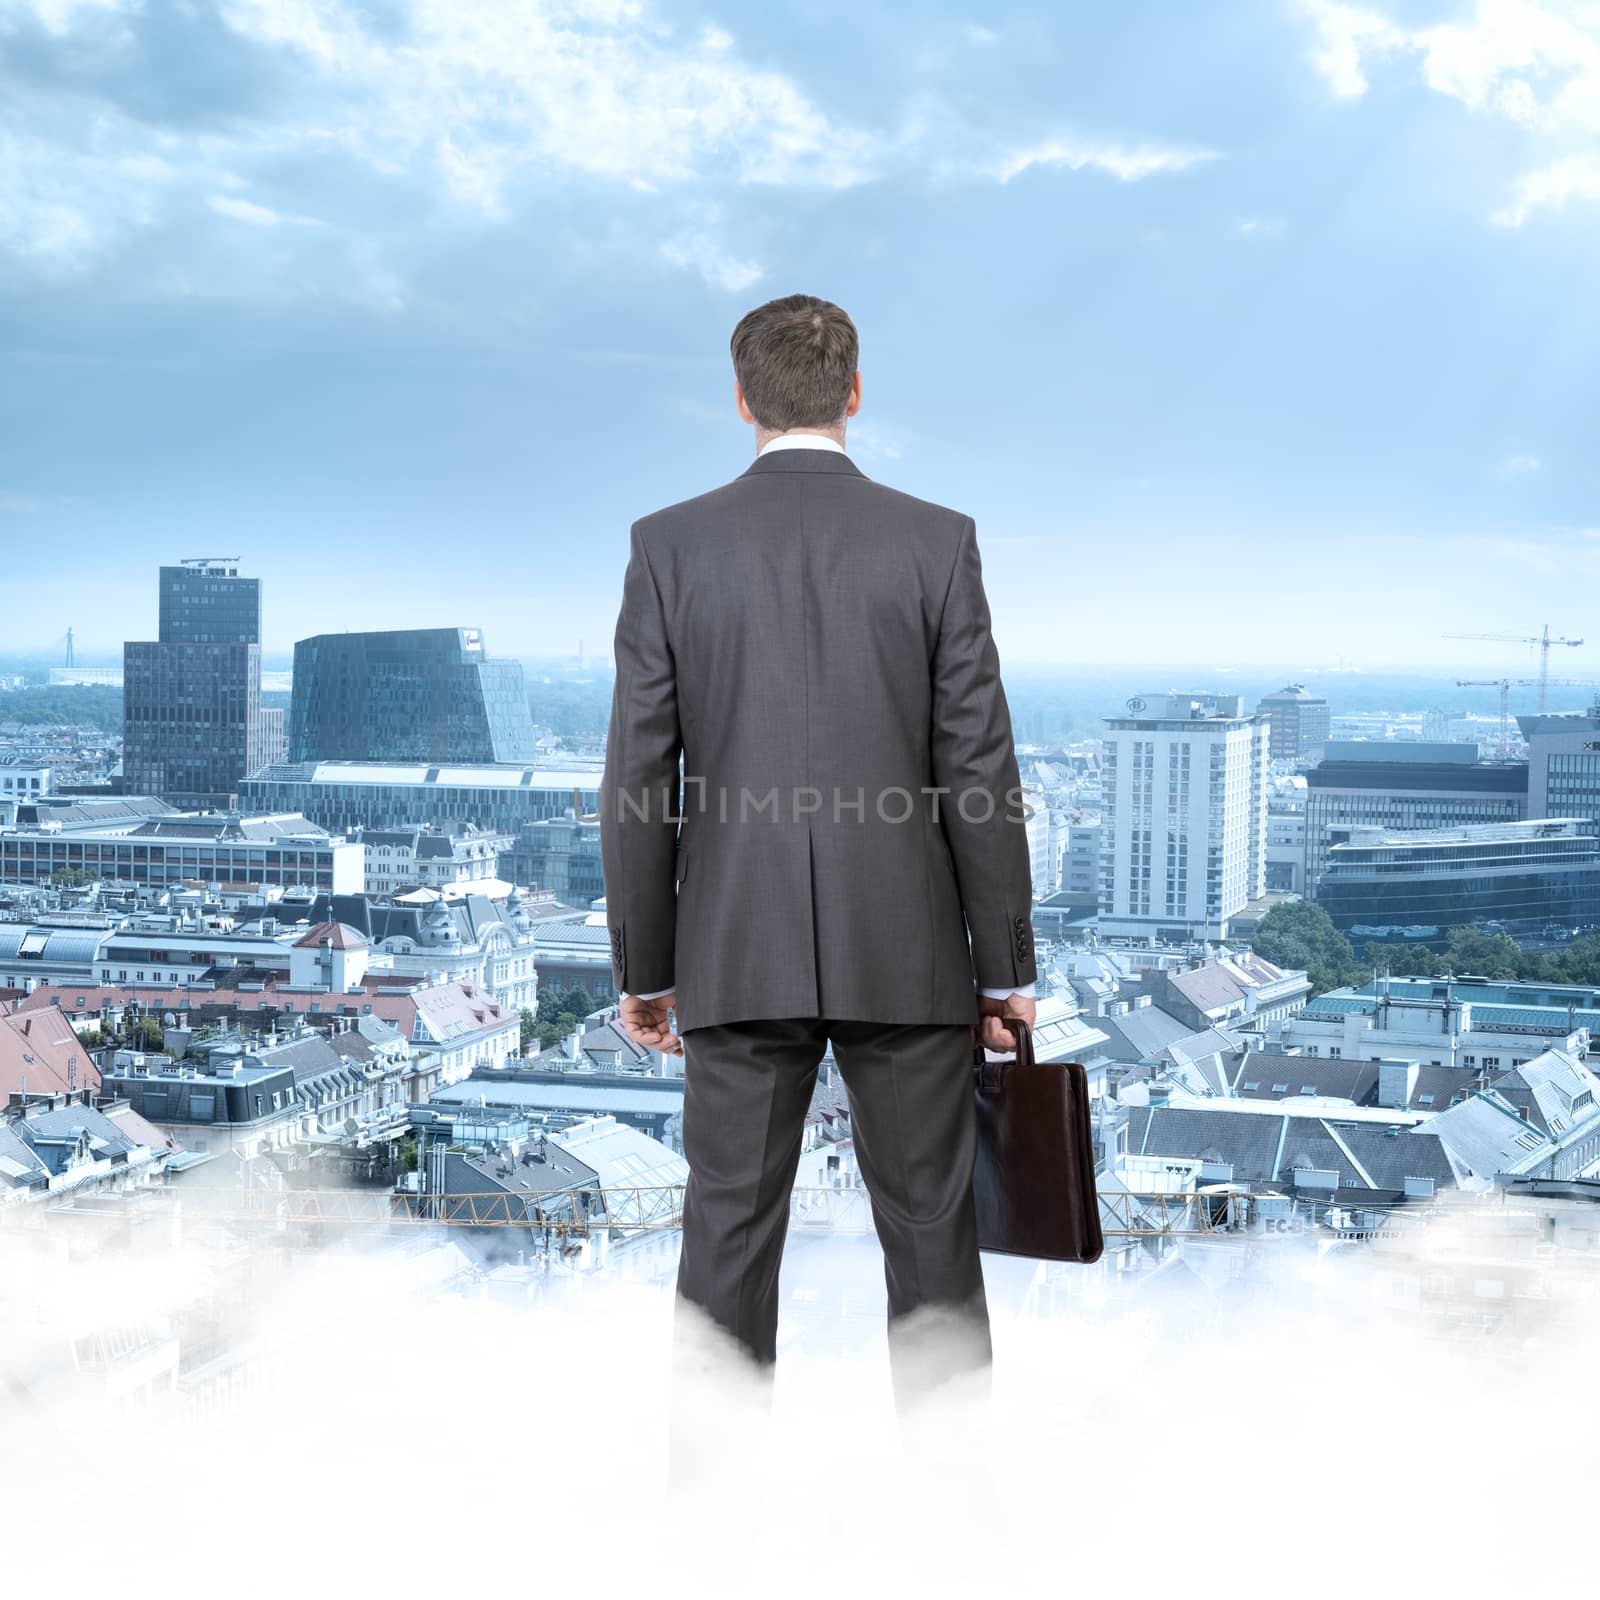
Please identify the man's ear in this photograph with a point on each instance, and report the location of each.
(853, 404)
(744, 410)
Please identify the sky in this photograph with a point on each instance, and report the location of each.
(1264, 331)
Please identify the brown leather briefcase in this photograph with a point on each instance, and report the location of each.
(1034, 1178)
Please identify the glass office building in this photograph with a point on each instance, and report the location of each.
(192, 720)
(430, 694)
(1365, 783)
(1538, 881)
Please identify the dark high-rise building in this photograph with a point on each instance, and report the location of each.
(207, 602)
(1299, 723)
(427, 694)
(192, 720)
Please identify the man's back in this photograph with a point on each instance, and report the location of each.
(824, 644)
(814, 649)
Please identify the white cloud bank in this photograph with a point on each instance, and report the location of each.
(1532, 63)
(483, 101)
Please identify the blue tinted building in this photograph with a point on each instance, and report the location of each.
(427, 694)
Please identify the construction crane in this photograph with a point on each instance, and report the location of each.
(1506, 685)
(1542, 639)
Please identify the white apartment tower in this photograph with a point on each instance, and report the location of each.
(1185, 815)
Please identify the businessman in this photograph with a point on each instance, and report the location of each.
(846, 862)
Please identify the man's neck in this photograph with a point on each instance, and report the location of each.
(764, 438)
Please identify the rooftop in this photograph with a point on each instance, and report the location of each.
(487, 775)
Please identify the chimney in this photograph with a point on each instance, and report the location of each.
(1397, 1082)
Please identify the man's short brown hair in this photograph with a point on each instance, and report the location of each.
(795, 359)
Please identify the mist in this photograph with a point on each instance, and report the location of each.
(386, 1411)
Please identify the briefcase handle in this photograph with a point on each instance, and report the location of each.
(1023, 1053)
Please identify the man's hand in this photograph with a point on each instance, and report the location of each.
(992, 1014)
(649, 1023)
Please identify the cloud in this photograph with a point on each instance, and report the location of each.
(1519, 464)
(1550, 188)
(57, 17)
(19, 505)
(1534, 64)
(406, 125)
(871, 438)
(699, 252)
(491, 90)
(1129, 163)
(258, 216)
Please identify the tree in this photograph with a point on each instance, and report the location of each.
(1299, 933)
(555, 1003)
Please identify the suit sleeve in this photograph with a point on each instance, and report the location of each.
(975, 759)
(639, 792)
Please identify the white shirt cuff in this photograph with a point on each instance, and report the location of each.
(1024, 990)
(654, 995)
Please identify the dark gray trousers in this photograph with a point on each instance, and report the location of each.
(747, 1088)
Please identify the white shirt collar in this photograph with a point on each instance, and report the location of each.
(801, 441)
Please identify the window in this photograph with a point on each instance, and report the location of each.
(1280, 1088)
(1254, 1084)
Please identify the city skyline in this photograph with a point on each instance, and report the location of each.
(1197, 323)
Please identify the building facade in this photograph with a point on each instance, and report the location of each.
(1286, 836)
(1184, 814)
(1533, 880)
(1299, 723)
(164, 852)
(426, 694)
(193, 722)
(560, 855)
(501, 798)
(1471, 1023)
(1413, 786)
(24, 780)
(429, 858)
(1563, 764)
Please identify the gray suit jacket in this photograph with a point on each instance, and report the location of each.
(816, 648)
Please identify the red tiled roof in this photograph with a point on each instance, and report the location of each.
(44, 1052)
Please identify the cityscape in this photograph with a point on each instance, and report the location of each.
(343, 964)
(1260, 346)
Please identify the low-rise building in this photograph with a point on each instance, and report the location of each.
(91, 841)
(1303, 1148)
(1231, 987)
(1469, 1023)
(59, 1145)
(24, 780)
(51, 949)
(431, 858)
(1541, 1120)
